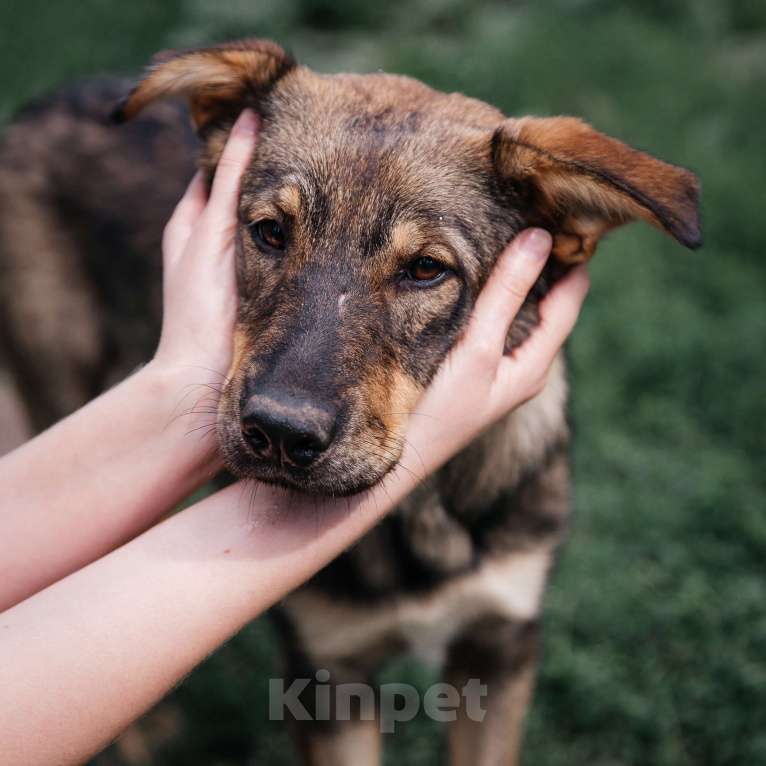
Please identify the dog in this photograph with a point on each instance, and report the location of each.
(370, 217)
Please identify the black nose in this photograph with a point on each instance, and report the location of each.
(287, 426)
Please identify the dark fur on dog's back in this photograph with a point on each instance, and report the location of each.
(364, 174)
(83, 209)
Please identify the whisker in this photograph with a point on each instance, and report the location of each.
(193, 412)
(198, 428)
(207, 369)
(255, 486)
(417, 452)
(205, 401)
(379, 450)
(382, 485)
(217, 387)
(408, 414)
(389, 454)
(402, 440)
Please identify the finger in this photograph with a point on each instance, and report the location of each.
(513, 276)
(186, 213)
(236, 154)
(558, 313)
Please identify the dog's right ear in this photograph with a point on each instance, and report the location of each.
(579, 184)
(219, 82)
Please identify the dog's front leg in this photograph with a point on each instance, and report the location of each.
(495, 655)
(340, 743)
(334, 716)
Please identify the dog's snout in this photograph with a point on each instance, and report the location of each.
(287, 427)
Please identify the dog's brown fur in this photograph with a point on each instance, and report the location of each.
(364, 173)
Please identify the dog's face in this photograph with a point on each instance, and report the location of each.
(369, 218)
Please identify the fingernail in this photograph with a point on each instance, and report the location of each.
(536, 244)
(247, 123)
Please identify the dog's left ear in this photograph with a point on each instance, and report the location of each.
(219, 82)
(579, 183)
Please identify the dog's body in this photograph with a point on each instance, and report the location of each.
(458, 570)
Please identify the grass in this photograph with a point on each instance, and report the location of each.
(655, 642)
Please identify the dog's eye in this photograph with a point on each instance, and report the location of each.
(268, 233)
(425, 270)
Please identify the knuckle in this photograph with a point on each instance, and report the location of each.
(229, 165)
(169, 232)
(537, 386)
(518, 279)
(531, 388)
(225, 165)
(175, 230)
(515, 285)
(485, 352)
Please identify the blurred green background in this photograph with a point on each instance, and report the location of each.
(655, 628)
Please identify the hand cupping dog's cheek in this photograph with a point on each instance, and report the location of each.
(478, 383)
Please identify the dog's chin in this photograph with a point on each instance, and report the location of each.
(316, 482)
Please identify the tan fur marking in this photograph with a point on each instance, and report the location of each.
(401, 394)
(289, 199)
(511, 586)
(240, 347)
(352, 743)
(406, 238)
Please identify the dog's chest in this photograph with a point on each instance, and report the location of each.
(332, 629)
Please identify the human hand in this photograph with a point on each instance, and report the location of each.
(199, 280)
(478, 383)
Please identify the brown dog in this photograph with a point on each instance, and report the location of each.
(370, 218)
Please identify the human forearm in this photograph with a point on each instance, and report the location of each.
(80, 660)
(99, 477)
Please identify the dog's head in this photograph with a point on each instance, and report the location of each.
(370, 217)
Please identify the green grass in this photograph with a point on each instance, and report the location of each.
(655, 641)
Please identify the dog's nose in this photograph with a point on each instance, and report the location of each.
(288, 427)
